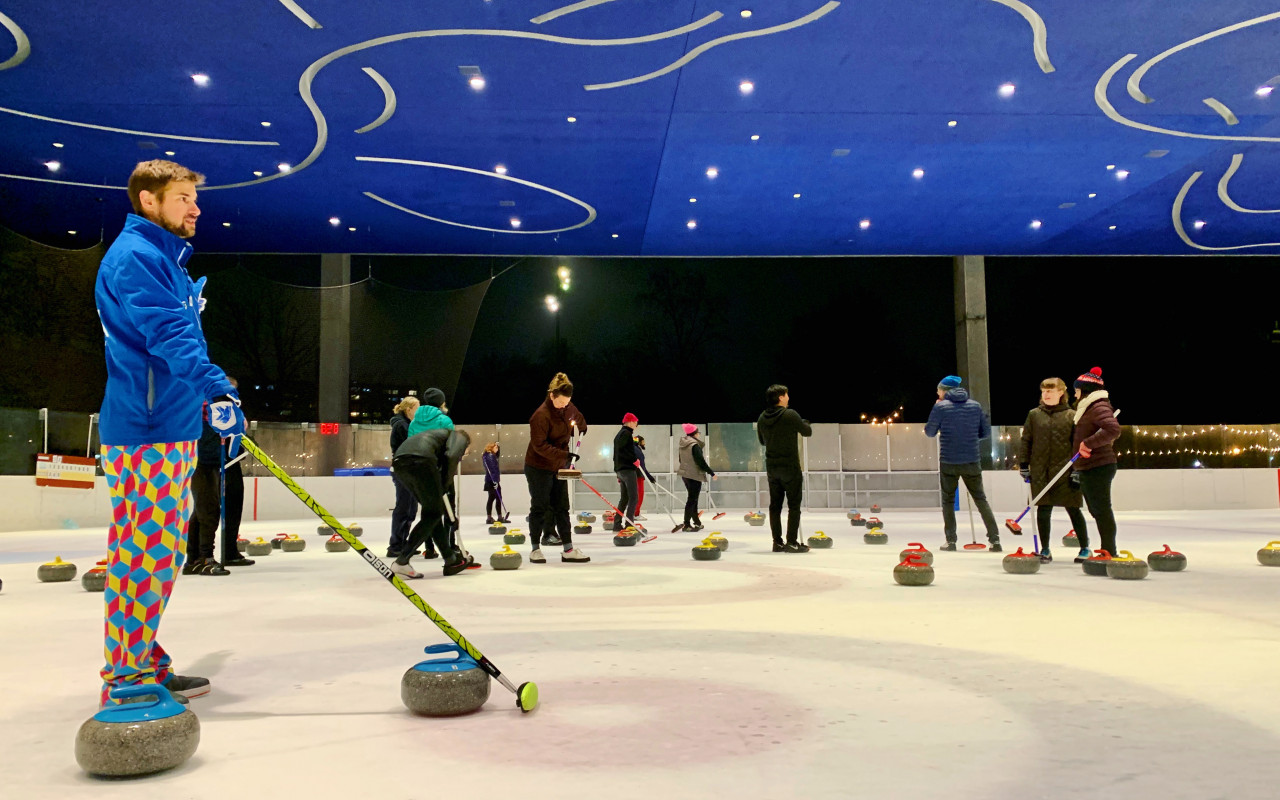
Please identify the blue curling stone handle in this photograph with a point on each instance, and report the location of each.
(458, 661)
(162, 706)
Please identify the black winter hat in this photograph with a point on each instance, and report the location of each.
(433, 397)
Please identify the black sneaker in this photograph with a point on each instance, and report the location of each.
(996, 548)
(211, 566)
(949, 547)
(239, 562)
(391, 553)
(187, 686)
(687, 529)
(552, 539)
(430, 553)
(455, 565)
(779, 547)
(796, 547)
(488, 520)
(192, 566)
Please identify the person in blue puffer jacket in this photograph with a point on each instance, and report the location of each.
(961, 422)
(158, 378)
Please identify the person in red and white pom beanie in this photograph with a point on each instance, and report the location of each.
(1095, 434)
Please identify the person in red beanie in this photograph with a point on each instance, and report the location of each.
(625, 456)
(1096, 432)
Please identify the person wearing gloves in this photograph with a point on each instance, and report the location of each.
(693, 471)
(492, 484)
(550, 429)
(961, 423)
(158, 377)
(1045, 449)
(1096, 433)
(426, 464)
(406, 507)
(644, 471)
(777, 430)
(626, 458)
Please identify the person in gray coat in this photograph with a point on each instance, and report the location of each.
(694, 472)
(1045, 449)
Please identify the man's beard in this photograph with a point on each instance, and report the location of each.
(178, 230)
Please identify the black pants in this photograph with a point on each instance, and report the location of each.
(1045, 513)
(1096, 485)
(694, 488)
(628, 479)
(401, 518)
(788, 485)
(492, 491)
(207, 500)
(950, 476)
(421, 476)
(548, 506)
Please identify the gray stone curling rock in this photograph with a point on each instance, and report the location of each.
(851, 513)
(587, 518)
(1071, 540)
(336, 544)
(1021, 563)
(582, 529)
(747, 516)
(1167, 560)
(1127, 568)
(875, 536)
(515, 537)
(497, 530)
(875, 509)
(707, 551)
(913, 572)
(858, 521)
(1269, 556)
(259, 547)
(445, 687)
(95, 580)
(293, 545)
(821, 541)
(241, 544)
(56, 571)
(506, 558)
(719, 540)
(756, 520)
(137, 738)
(918, 550)
(277, 540)
(355, 530)
(874, 522)
(1096, 564)
(626, 538)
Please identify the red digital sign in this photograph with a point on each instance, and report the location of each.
(329, 428)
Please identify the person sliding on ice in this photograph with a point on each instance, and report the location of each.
(550, 429)
(961, 422)
(644, 472)
(625, 458)
(1096, 432)
(426, 464)
(406, 507)
(777, 429)
(1046, 448)
(492, 480)
(158, 375)
(694, 472)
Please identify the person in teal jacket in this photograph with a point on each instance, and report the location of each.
(432, 414)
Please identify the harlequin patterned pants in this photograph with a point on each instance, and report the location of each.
(150, 506)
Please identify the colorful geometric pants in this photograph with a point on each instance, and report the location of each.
(150, 506)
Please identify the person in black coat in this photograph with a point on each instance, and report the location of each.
(426, 464)
(406, 507)
(625, 456)
(207, 501)
(777, 429)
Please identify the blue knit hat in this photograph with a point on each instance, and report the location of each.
(950, 382)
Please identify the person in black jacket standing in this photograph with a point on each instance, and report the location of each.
(406, 507)
(777, 429)
(207, 501)
(625, 457)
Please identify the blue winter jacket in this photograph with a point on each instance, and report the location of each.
(158, 370)
(962, 422)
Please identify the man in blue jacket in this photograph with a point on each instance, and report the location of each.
(158, 378)
(961, 422)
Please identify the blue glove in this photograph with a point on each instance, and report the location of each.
(200, 301)
(227, 419)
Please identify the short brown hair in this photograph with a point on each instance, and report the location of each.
(560, 386)
(1054, 383)
(155, 176)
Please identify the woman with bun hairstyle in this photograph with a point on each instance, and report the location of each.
(1096, 432)
(550, 429)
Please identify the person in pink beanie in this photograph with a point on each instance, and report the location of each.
(694, 471)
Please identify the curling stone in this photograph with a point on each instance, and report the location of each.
(139, 737)
(719, 540)
(874, 522)
(497, 529)
(1127, 567)
(336, 544)
(919, 551)
(1269, 556)
(56, 571)
(515, 537)
(875, 536)
(587, 517)
(355, 530)
(1167, 560)
(821, 541)
(293, 544)
(747, 516)
(259, 547)
(241, 544)
(1021, 563)
(443, 687)
(609, 516)
(95, 580)
(857, 521)
(627, 537)
(707, 551)
(851, 513)
(1071, 540)
(506, 558)
(582, 529)
(278, 540)
(1096, 564)
(913, 572)
(756, 520)
(875, 509)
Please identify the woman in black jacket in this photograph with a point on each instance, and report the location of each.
(406, 507)
(1046, 448)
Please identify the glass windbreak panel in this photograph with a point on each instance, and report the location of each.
(910, 449)
(371, 446)
(596, 454)
(864, 448)
(822, 449)
(481, 436)
(285, 444)
(21, 437)
(513, 440)
(734, 447)
(1004, 444)
(659, 446)
(69, 433)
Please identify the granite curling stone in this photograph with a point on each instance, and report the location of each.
(1269, 556)
(241, 544)
(913, 572)
(1167, 560)
(582, 529)
(293, 544)
(875, 508)
(1021, 563)
(95, 580)
(1071, 540)
(1096, 564)
(851, 513)
(627, 537)
(278, 540)
(707, 551)
(1127, 567)
(874, 522)
(56, 571)
(875, 536)
(720, 541)
(587, 517)
(515, 537)
(918, 550)
(445, 687)
(506, 558)
(336, 544)
(857, 521)
(147, 732)
(756, 520)
(259, 547)
(821, 541)
(497, 529)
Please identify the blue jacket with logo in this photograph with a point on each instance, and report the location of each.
(962, 422)
(158, 369)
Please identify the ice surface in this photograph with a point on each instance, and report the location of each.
(757, 676)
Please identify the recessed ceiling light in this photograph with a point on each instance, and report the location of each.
(283, 167)
(476, 82)
(951, 123)
(1111, 166)
(200, 79)
(73, 233)
(746, 87)
(334, 221)
(257, 173)
(351, 229)
(500, 169)
(226, 224)
(917, 173)
(1035, 224)
(170, 153)
(1121, 174)
(1007, 89)
(1093, 194)
(693, 199)
(691, 224)
(57, 144)
(755, 137)
(796, 195)
(266, 124)
(572, 119)
(515, 222)
(744, 13)
(1264, 91)
(864, 224)
(614, 236)
(712, 172)
(1199, 224)
(53, 166)
(1111, 227)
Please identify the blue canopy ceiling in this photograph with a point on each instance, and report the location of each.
(870, 127)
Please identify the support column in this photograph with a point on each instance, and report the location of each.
(971, 331)
(335, 359)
